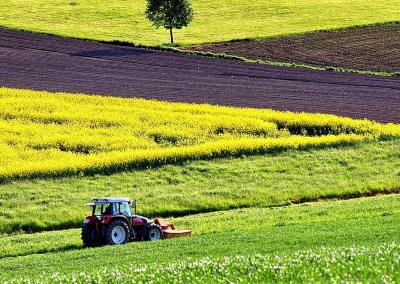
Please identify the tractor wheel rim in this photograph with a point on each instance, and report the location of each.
(118, 235)
(155, 235)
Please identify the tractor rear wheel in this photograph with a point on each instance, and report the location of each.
(117, 233)
(154, 232)
(89, 235)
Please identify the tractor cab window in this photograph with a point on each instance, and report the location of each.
(103, 209)
(125, 209)
(107, 209)
(97, 210)
(113, 208)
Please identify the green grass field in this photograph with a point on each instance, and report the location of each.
(356, 264)
(215, 21)
(203, 186)
(283, 231)
(352, 264)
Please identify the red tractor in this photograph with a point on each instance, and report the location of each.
(112, 223)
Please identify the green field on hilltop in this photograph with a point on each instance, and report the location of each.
(203, 186)
(218, 20)
(278, 231)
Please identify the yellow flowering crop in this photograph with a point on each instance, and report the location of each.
(56, 134)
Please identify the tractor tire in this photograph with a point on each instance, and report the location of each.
(154, 232)
(117, 233)
(89, 236)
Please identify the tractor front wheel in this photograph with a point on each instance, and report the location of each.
(117, 233)
(154, 232)
(89, 235)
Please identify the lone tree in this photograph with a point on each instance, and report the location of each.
(170, 14)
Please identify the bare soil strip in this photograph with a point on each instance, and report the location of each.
(375, 48)
(42, 62)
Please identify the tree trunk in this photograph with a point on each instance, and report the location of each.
(171, 35)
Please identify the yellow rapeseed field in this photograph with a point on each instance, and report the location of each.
(56, 134)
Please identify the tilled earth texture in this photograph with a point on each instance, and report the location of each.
(368, 48)
(51, 63)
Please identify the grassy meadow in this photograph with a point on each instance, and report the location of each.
(202, 186)
(327, 230)
(214, 21)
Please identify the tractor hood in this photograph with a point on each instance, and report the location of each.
(139, 220)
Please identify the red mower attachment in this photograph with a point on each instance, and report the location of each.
(169, 230)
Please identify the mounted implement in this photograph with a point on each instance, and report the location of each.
(112, 223)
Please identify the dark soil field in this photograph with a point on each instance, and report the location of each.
(50, 63)
(368, 48)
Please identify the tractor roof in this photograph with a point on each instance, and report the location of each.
(108, 200)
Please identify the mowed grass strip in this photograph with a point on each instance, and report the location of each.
(204, 186)
(272, 231)
(214, 21)
(54, 134)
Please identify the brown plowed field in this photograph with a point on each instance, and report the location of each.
(43, 62)
(369, 48)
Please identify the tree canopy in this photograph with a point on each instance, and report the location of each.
(170, 14)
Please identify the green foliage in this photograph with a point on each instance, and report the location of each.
(170, 14)
(215, 21)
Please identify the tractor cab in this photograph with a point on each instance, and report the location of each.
(111, 207)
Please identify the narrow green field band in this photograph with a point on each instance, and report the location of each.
(219, 20)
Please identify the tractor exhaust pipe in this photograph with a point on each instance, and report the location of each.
(134, 205)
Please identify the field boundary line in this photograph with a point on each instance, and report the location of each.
(181, 49)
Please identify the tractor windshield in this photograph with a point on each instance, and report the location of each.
(114, 208)
(125, 209)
